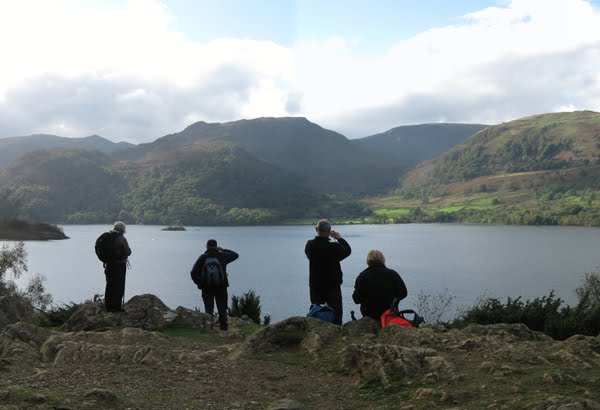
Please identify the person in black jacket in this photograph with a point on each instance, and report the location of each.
(325, 271)
(212, 294)
(377, 286)
(116, 269)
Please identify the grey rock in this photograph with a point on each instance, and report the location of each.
(289, 334)
(362, 326)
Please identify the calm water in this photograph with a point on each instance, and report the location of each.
(468, 260)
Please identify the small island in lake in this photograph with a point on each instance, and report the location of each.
(19, 230)
(173, 228)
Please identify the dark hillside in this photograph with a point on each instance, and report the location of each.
(12, 148)
(324, 160)
(411, 144)
(60, 185)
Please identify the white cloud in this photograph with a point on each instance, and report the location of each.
(125, 73)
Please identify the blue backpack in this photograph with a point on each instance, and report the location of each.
(322, 312)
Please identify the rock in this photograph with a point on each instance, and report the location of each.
(362, 326)
(384, 360)
(146, 312)
(20, 343)
(289, 334)
(285, 404)
(506, 332)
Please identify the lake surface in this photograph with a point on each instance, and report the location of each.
(467, 260)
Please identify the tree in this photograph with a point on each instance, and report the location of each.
(22, 304)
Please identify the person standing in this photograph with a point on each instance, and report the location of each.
(377, 286)
(209, 273)
(115, 269)
(325, 252)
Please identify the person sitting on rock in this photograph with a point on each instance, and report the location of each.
(377, 286)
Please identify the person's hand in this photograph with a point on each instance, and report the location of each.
(335, 235)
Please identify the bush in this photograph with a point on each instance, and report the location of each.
(249, 305)
(542, 314)
(59, 314)
(533, 314)
(433, 308)
(19, 305)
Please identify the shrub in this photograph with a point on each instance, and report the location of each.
(248, 304)
(433, 308)
(59, 314)
(534, 313)
(590, 289)
(22, 305)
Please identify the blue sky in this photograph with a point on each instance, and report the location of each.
(138, 69)
(377, 24)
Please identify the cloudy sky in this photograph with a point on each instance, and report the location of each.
(137, 70)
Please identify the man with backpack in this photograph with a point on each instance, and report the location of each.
(325, 252)
(210, 275)
(113, 250)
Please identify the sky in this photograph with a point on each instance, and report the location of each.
(140, 69)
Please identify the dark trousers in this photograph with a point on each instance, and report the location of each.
(218, 295)
(115, 286)
(331, 296)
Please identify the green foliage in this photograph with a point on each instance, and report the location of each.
(543, 314)
(23, 304)
(534, 313)
(590, 289)
(12, 260)
(249, 305)
(59, 314)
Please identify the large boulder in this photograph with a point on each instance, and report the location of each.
(20, 344)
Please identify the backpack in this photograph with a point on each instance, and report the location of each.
(212, 274)
(105, 247)
(393, 316)
(321, 312)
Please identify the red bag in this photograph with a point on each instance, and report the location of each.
(390, 318)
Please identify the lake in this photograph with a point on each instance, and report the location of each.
(467, 260)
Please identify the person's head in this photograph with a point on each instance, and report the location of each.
(211, 243)
(375, 257)
(119, 226)
(323, 227)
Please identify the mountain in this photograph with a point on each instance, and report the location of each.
(529, 148)
(12, 148)
(411, 144)
(537, 170)
(322, 160)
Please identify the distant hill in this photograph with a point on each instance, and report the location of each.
(322, 160)
(12, 148)
(411, 144)
(541, 145)
(537, 170)
(271, 170)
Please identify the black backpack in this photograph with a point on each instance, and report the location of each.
(212, 274)
(105, 247)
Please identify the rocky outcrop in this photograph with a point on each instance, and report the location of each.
(496, 366)
(146, 312)
(296, 333)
